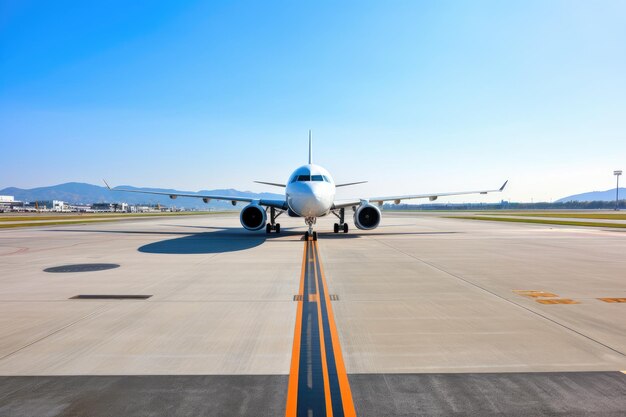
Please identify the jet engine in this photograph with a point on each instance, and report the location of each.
(253, 217)
(367, 217)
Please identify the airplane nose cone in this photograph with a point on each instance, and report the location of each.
(310, 201)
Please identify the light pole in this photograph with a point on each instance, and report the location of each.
(617, 174)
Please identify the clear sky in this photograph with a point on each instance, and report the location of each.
(414, 96)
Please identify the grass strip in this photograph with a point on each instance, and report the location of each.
(603, 216)
(53, 223)
(541, 221)
(19, 218)
(84, 220)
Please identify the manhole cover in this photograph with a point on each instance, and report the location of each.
(81, 268)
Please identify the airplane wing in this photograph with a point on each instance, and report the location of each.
(279, 204)
(275, 184)
(349, 183)
(432, 197)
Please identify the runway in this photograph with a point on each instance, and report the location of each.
(433, 316)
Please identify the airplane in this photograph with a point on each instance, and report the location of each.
(310, 193)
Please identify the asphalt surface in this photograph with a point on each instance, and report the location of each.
(523, 394)
(143, 396)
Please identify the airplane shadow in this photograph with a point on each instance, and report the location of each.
(204, 243)
(218, 241)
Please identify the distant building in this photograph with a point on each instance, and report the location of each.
(111, 207)
(60, 206)
(7, 202)
(81, 208)
(148, 209)
(99, 207)
(48, 205)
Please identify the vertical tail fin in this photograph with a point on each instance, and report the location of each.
(310, 147)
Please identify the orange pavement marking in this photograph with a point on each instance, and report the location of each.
(344, 384)
(292, 391)
(535, 293)
(558, 301)
(613, 300)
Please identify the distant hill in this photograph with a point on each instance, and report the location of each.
(81, 193)
(608, 195)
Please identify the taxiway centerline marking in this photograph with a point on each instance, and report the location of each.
(318, 382)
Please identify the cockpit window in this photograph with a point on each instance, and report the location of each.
(310, 178)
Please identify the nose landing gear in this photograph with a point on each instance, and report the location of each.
(310, 221)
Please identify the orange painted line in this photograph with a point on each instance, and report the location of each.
(613, 300)
(329, 403)
(535, 293)
(344, 384)
(558, 301)
(292, 390)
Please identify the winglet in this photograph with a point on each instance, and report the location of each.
(504, 185)
(106, 183)
(310, 147)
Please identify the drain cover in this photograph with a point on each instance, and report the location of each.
(81, 268)
(110, 297)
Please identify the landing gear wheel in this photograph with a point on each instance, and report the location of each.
(314, 235)
(345, 227)
(336, 228)
(277, 228)
(306, 235)
(268, 228)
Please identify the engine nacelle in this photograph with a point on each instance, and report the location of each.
(253, 217)
(367, 216)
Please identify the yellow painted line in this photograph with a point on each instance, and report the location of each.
(292, 390)
(344, 384)
(329, 403)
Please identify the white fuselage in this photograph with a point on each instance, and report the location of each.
(310, 191)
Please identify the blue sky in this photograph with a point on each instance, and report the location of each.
(414, 96)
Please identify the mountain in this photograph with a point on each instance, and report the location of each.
(80, 193)
(608, 195)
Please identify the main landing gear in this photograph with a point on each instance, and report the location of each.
(272, 225)
(342, 226)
